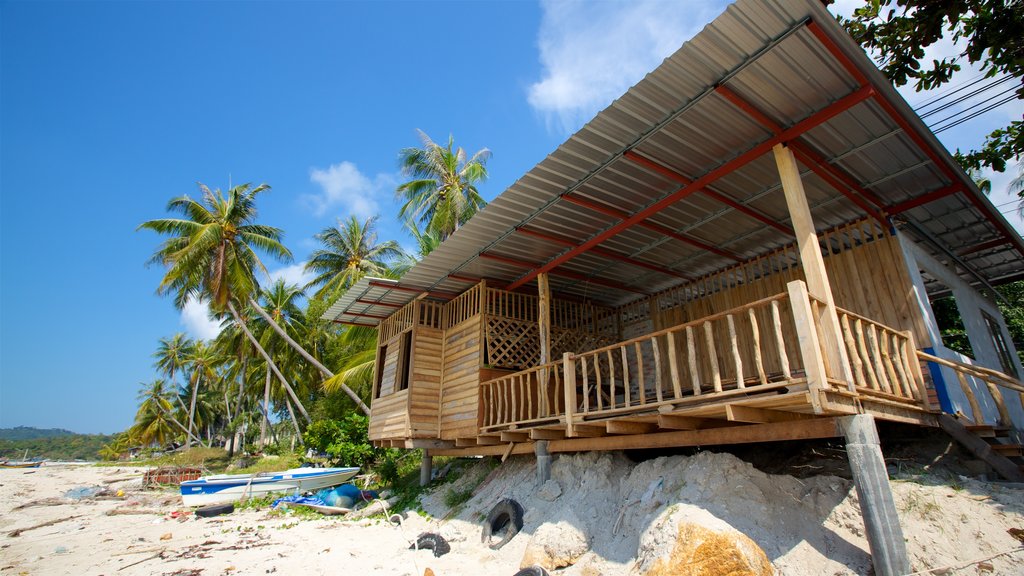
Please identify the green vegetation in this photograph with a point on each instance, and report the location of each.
(50, 444)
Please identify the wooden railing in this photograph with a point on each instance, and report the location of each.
(529, 396)
(748, 348)
(993, 380)
(882, 359)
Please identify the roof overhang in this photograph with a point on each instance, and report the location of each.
(676, 180)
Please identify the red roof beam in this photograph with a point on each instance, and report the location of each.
(816, 119)
(374, 316)
(920, 200)
(1001, 241)
(673, 175)
(372, 303)
(563, 273)
(609, 211)
(835, 177)
(445, 295)
(604, 253)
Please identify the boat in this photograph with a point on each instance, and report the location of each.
(6, 464)
(224, 488)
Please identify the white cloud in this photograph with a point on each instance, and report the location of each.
(344, 187)
(195, 316)
(294, 274)
(591, 52)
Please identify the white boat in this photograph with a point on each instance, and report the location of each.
(223, 488)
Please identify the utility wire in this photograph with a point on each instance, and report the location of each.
(1008, 99)
(949, 93)
(967, 96)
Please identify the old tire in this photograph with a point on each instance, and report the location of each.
(215, 510)
(534, 570)
(433, 542)
(505, 519)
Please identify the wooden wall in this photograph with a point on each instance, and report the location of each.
(425, 387)
(389, 416)
(461, 377)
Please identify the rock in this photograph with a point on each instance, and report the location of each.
(556, 545)
(689, 541)
(549, 491)
(451, 533)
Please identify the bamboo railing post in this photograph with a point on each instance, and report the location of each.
(544, 330)
(625, 377)
(914, 365)
(673, 365)
(780, 340)
(755, 334)
(807, 336)
(569, 368)
(976, 414)
(876, 358)
(641, 385)
(586, 384)
(657, 369)
(734, 344)
(851, 349)
(709, 341)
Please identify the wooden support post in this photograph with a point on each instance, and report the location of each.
(881, 522)
(569, 368)
(425, 468)
(544, 341)
(813, 264)
(807, 336)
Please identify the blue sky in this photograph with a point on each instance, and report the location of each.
(107, 110)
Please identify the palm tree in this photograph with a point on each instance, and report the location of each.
(349, 251)
(171, 354)
(202, 363)
(983, 182)
(153, 420)
(1017, 187)
(210, 255)
(442, 190)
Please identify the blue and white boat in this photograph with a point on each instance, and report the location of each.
(223, 488)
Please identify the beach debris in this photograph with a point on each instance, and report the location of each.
(167, 536)
(432, 541)
(549, 491)
(557, 544)
(170, 475)
(1017, 533)
(60, 550)
(17, 532)
(428, 572)
(505, 520)
(85, 492)
(184, 572)
(214, 510)
(130, 510)
(159, 554)
(51, 501)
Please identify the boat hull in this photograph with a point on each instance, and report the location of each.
(20, 464)
(224, 488)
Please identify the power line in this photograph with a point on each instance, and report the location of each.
(967, 96)
(960, 121)
(947, 94)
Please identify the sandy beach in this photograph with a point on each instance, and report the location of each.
(618, 509)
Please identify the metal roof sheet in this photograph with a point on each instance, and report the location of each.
(764, 52)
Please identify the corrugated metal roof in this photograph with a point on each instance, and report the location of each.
(766, 54)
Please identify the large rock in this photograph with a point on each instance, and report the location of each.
(689, 541)
(557, 544)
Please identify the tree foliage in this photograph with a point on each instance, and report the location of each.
(899, 31)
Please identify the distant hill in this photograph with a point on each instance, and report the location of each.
(30, 433)
(50, 444)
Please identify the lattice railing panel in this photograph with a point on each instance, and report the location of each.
(512, 343)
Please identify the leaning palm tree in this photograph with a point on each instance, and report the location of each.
(210, 254)
(441, 192)
(1017, 187)
(348, 252)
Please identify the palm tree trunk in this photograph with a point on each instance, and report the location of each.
(309, 357)
(248, 334)
(295, 422)
(178, 424)
(192, 408)
(266, 411)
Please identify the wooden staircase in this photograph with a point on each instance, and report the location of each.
(987, 443)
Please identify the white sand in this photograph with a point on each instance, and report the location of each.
(809, 525)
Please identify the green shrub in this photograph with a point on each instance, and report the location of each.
(346, 441)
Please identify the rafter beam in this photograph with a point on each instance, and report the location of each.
(372, 303)
(609, 211)
(835, 177)
(562, 273)
(601, 252)
(679, 178)
(816, 119)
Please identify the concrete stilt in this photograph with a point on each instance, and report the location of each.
(426, 466)
(543, 461)
(881, 522)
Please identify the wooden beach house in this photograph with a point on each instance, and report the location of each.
(743, 247)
